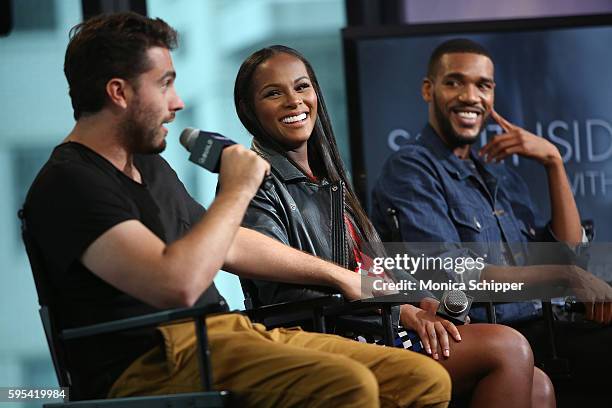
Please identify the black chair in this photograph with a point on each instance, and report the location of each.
(328, 313)
(58, 342)
(309, 311)
(555, 366)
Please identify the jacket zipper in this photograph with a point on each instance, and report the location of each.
(339, 243)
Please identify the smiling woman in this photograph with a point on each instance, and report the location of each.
(286, 103)
(276, 85)
(312, 207)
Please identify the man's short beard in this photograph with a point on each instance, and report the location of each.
(137, 137)
(449, 134)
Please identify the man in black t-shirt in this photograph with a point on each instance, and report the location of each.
(82, 195)
(120, 236)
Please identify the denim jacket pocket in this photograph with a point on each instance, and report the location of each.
(468, 221)
(528, 230)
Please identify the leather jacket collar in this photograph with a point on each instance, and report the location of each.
(284, 169)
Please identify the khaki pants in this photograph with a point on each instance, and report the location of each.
(287, 367)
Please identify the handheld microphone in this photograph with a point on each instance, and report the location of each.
(206, 148)
(455, 306)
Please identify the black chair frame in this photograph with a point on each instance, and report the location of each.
(554, 365)
(328, 313)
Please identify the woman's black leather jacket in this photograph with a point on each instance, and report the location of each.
(302, 214)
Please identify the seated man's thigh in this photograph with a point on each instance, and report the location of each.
(403, 377)
(290, 367)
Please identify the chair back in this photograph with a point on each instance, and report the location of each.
(45, 300)
(251, 299)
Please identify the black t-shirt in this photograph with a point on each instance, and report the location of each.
(77, 196)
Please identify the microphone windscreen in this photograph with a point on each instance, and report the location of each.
(455, 306)
(188, 138)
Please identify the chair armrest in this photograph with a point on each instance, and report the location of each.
(360, 305)
(138, 322)
(329, 305)
(296, 312)
(292, 307)
(385, 303)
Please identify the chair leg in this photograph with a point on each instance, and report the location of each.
(491, 317)
(387, 326)
(318, 321)
(205, 370)
(555, 366)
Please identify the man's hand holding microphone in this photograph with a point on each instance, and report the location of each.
(242, 170)
(239, 168)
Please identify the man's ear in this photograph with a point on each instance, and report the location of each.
(119, 92)
(427, 90)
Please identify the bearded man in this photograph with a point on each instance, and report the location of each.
(443, 190)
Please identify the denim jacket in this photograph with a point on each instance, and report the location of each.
(439, 198)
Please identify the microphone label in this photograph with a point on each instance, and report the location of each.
(207, 149)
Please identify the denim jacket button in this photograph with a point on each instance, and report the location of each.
(477, 223)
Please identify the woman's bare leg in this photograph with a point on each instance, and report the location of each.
(495, 364)
(543, 392)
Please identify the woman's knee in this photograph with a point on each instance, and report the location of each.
(543, 394)
(502, 347)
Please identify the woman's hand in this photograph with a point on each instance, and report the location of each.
(432, 329)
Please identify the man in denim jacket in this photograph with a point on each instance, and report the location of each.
(444, 191)
(441, 190)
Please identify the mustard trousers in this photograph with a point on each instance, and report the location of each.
(287, 368)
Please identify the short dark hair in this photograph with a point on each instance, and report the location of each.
(110, 46)
(454, 46)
